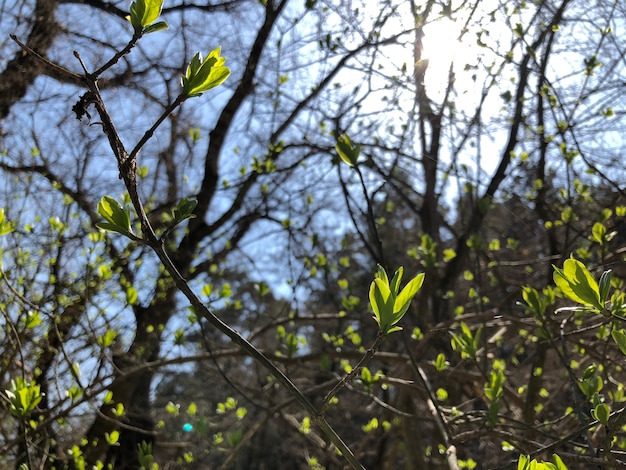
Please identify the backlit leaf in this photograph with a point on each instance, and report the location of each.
(576, 283)
(204, 74)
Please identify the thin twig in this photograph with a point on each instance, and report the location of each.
(50, 65)
(369, 354)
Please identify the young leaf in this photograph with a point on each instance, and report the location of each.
(5, 226)
(202, 75)
(620, 338)
(23, 397)
(117, 217)
(403, 301)
(531, 297)
(598, 233)
(602, 412)
(523, 462)
(347, 151)
(131, 295)
(605, 285)
(466, 342)
(382, 274)
(112, 438)
(366, 376)
(184, 209)
(576, 283)
(440, 362)
(477, 335)
(143, 14)
(388, 307)
(395, 282)
(558, 463)
(153, 28)
(380, 298)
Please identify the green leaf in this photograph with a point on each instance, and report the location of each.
(207, 290)
(32, 320)
(152, 11)
(137, 10)
(234, 438)
(598, 233)
(558, 463)
(110, 228)
(153, 28)
(382, 274)
(448, 255)
(467, 332)
(143, 13)
(204, 74)
(263, 288)
(108, 397)
(23, 397)
(523, 462)
(107, 339)
(184, 209)
(605, 286)
(466, 342)
(117, 217)
(131, 295)
(241, 412)
(576, 283)
(388, 306)
(477, 335)
(589, 371)
(74, 393)
(366, 376)
(403, 301)
(347, 151)
(172, 408)
(118, 410)
(602, 412)
(440, 362)
(591, 386)
(6, 227)
(395, 282)
(112, 438)
(531, 297)
(620, 338)
(380, 298)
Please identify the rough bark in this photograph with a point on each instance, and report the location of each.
(23, 69)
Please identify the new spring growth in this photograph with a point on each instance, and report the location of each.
(347, 151)
(143, 14)
(388, 302)
(204, 74)
(577, 284)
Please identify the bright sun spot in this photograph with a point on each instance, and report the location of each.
(441, 45)
(442, 48)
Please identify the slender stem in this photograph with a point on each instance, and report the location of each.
(150, 132)
(350, 377)
(51, 65)
(118, 55)
(204, 312)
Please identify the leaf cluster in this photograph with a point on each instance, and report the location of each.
(143, 14)
(388, 302)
